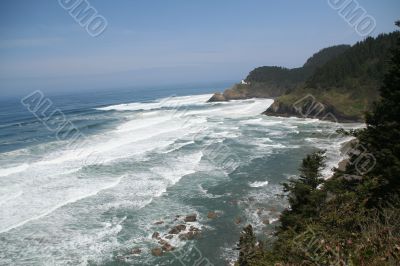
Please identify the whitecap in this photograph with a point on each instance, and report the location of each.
(13, 170)
(259, 184)
(169, 102)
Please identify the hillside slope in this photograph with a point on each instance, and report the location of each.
(274, 81)
(351, 218)
(345, 87)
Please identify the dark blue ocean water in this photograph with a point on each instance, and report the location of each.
(143, 162)
(20, 128)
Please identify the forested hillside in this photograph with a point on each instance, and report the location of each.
(364, 63)
(273, 81)
(353, 217)
(347, 85)
(295, 76)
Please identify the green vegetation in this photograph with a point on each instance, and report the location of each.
(345, 79)
(248, 249)
(364, 63)
(274, 81)
(349, 83)
(353, 217)
(296, 76)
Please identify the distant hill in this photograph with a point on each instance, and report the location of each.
(280, 75)
(345, 85)
(273, 81)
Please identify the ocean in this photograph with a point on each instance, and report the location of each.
(145, 160)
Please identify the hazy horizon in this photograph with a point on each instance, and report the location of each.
(153, 43)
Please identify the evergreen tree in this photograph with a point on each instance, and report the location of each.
(247, 246)
(303, 194)
(381, 138)
(357, 224)
(310, 170)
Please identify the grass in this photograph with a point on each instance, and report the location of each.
(346, 102)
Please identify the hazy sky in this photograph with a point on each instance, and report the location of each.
(166, 42)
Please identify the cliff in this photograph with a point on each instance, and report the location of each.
(332, 105)
(345, 87)
(310, 109)
(247, 91)
(274, 81)
(352, 217)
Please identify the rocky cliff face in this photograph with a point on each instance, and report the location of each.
(310, 109)
(247, 91)
(274, 81)
(345, 87)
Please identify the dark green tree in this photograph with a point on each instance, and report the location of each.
(247, 246)
(381, 138)
(310, 170)
(352, 217)
(302, 193)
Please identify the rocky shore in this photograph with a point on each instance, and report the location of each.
(167, 235)
(310, 110)
(248, 91)
(279, 108)
(183, 230)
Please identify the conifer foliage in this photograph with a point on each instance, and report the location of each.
(353, 217)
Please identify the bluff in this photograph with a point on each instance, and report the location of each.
(345, 87)
(352, 217)
(274, 81)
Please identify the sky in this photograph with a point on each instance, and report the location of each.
(158, 42)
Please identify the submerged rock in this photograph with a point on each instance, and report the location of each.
(189, 235)
(157, 252)
(167, 247)
(212, 215)
(193, 233)
(136, 251)
(156, 235)
(194, 229)
(177, 229)
(191, 218)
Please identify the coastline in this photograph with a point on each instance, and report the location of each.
(279, 109)
(253, 137)
(346, 147)
(310, 108)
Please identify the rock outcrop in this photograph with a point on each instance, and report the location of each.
(157, 252)
(218, 97)
(156, 235)
(248, 91)
(136, 251)
(177, 229)
(212, 215)
(192, 234)
(309, 109)
(191, 218)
